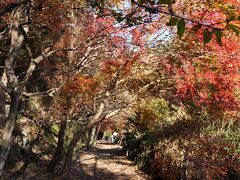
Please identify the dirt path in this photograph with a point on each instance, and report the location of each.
(105, 162)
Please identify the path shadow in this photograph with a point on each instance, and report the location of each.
(91, 168)
(78, 173)
(90, 165)
(108, 152)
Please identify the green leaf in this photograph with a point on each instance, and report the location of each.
(118, 16)
(181, 27)
(130, 21)
(231, 18)
(172, 22)
(218, 34)
(196, 28)
(141, 1)
(119, 19)
(165, 2)
(234, 28)
(207, 36)
(139, 18)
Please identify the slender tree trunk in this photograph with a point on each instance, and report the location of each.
(2, 111)
(120, 141)
(91, 123)
(8, 129)
(92, 135)
(76, 137)
(88, 136)
(69, 155)
(17, 39)
(96, 134)
(104, 136)
(59, 150)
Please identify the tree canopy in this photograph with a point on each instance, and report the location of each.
(73, 69)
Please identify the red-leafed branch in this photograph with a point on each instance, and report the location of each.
(170, 13)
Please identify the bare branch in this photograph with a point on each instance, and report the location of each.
(11, 6)
(7, 90)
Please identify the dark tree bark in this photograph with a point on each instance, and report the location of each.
(59, 150)
(2, 111)
(17, 39)
(96, 134)
(91, 123)
(8, 129)
(11, 6)
(91, 135)
(68, 160)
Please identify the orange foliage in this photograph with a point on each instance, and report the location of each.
(79, 85)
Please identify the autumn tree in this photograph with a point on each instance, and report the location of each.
(35, 30)
(14, 82)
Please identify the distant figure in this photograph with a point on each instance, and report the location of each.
(114, 137)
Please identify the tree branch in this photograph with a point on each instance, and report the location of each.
(7, 90)
(11, 6)
(170, 13)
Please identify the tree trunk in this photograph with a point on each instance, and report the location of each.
(92, 135)
(120, 141)
(96, 134)
(91, 123)
(104, 136)
(8, 129)
(68, 160)
(69, 155)
(59, 150)
(2, 111)
(17, 39)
